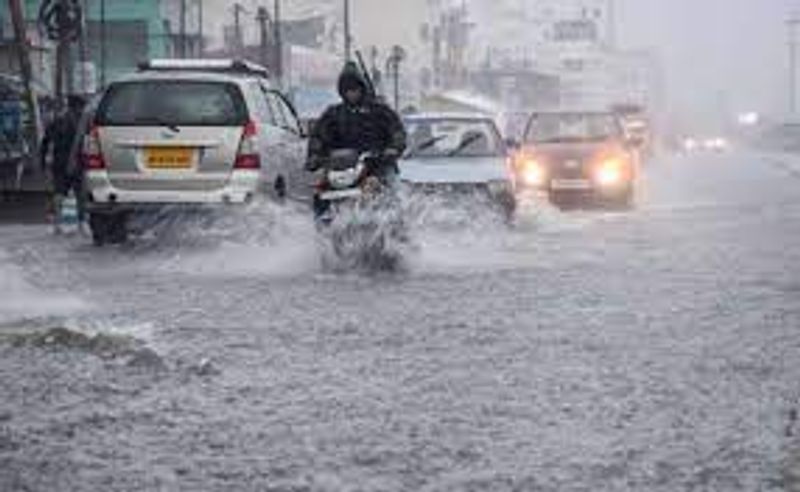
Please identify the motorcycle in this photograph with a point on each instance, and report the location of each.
(359, 213)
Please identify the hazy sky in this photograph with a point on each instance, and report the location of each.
(719, 55)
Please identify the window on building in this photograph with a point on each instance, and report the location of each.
(573, 31)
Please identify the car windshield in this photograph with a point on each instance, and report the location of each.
(168, 102)
(571, 127)
(453, 138)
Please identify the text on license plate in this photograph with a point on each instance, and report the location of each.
(169, 157)
(571, 184)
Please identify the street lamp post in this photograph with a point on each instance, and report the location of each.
(348, 49)
(278, 43)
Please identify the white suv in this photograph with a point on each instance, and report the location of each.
(188, 132)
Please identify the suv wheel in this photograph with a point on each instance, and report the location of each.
(98, 223)
(108, 228)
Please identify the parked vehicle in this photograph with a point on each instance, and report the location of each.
(188, 133)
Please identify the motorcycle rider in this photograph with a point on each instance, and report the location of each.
(360, 122)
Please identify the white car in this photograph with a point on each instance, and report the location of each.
(458, 154)
(188, 133)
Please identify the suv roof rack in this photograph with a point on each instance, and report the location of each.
(205, 65)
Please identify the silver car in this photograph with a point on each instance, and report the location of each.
(188, 133)
(458, 155)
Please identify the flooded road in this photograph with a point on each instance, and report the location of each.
(651, 350)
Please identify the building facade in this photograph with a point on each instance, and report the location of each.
(118, 34)
(574, 41)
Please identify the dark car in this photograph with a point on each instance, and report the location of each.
(578, 157)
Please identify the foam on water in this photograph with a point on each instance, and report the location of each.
(266, 239)
(21, 300)
(470, 236)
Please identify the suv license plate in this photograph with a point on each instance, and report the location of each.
(169, 157)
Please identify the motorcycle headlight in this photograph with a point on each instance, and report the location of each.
(344, 179)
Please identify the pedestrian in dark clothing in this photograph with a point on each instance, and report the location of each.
(59, 138)
(360, 123)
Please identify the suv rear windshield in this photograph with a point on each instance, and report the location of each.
(170, 102)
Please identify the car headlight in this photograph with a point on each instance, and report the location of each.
(610, 172)
(533, 173)
(716, 144)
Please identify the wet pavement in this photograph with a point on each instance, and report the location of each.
(657, 349)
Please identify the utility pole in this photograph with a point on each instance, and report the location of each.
(611, 20)
(397, 56)
(348, 40)
(23, 52)
(238, 9)
(278, 43)
(263, 20)
(62, 52)
(182, 39)
(200, 30)
(82, 49)
(792, 24)
(102, 44)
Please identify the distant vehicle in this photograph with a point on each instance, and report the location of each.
(639, 134)
(578, 157)
(708, 144)
(189, 133)
(637, 127)
(458, 154)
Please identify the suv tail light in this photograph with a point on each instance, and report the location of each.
(92, 151)
(248, 157)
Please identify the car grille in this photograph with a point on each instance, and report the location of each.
(569, 169)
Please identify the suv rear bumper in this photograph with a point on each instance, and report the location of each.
(241, 188)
